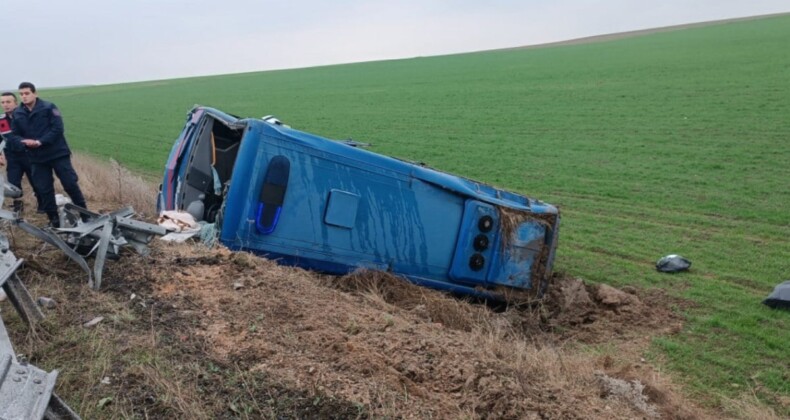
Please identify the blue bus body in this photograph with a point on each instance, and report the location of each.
(330, 206)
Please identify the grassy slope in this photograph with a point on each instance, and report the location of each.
(668, 143)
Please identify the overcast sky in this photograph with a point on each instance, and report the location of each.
(77, 42)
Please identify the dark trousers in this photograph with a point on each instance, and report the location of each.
(45, 184)
(18, 165)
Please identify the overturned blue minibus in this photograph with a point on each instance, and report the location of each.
(331, 206)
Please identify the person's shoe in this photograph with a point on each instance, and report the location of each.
(54, 223)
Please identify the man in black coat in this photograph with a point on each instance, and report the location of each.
(14, 154)
(38, 125)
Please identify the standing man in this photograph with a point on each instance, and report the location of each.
(14, 153)
(40, 126)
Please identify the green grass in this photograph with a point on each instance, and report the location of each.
(675, 142)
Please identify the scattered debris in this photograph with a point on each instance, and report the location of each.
(238, 285)
(104, 234)
(182, 225)
(93, 322)
(354, 143)
(46, 302)
(105, 380)
(630, 392)
(780, 297)
(672, 264)
(84, 233)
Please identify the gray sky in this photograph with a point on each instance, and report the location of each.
(76, 42)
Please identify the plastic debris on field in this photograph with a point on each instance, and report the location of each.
(672, 264)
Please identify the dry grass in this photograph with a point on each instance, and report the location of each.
(110, 184)
(748, 406)
(173, 393)
(520, 372)
(386, 290)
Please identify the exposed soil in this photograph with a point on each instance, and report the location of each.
(391, 348)
(363, 345)
(191, 332)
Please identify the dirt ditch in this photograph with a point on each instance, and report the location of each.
(383, 347)
(191, 332)
(215, 334)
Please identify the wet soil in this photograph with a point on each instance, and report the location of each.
(215, 334)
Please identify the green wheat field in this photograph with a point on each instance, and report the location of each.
(672, 142)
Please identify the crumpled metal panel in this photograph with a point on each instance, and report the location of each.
(84, 233)
(103, 235)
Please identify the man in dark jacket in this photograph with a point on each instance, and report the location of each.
(39, 127)
(14, 154)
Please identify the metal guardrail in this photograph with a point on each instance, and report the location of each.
(26, 392)
(84, 233)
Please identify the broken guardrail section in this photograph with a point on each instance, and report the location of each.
(26, 392)
(84, 233)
